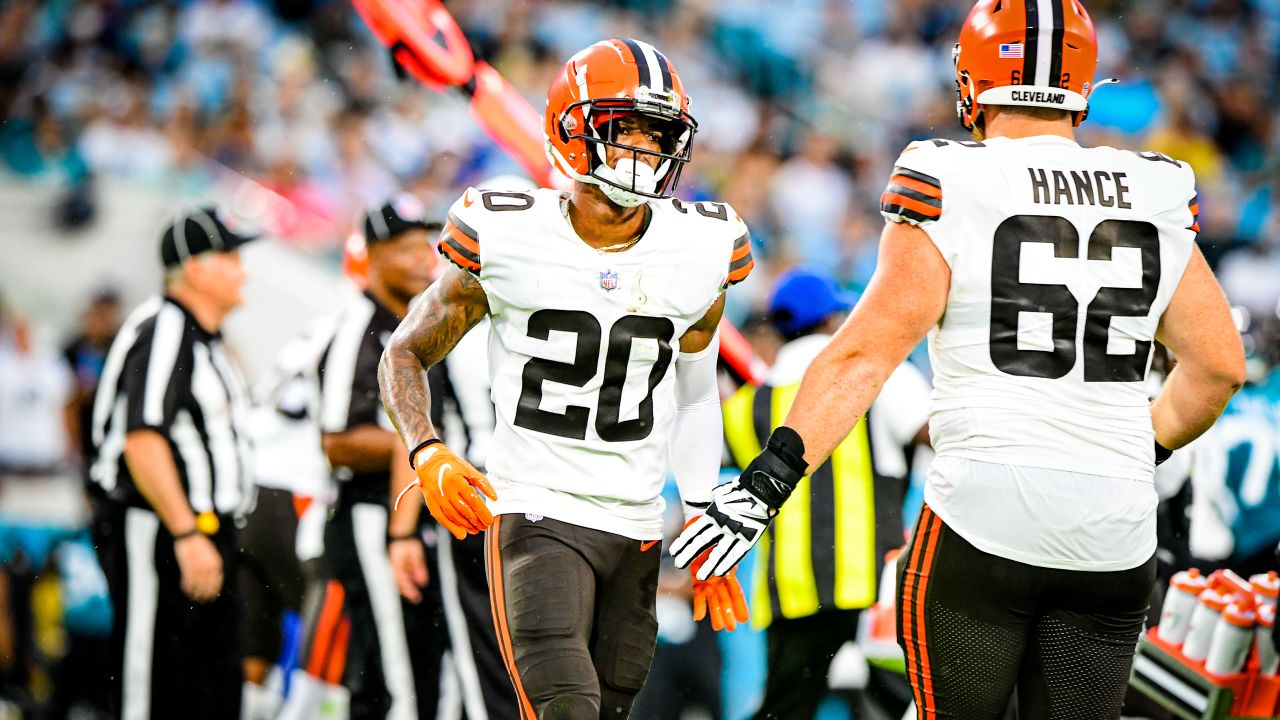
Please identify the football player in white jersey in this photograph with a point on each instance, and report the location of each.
(1042, 272)
(604, 305)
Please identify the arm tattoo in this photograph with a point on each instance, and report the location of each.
(450, 307)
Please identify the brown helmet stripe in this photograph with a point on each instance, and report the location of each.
(642, 63)
(1055, 62)
(1031, 42)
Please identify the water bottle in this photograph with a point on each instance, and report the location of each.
(1204, 618)
(1175, 614)
(1268, 660)
(1266, 586)
(1232, 639)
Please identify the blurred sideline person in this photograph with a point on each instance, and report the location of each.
(172, 454)
(595, 298)
(86, 354)
(1235, 478)
(847, 513)
(1042, 273)
(462, 408)
(291, 472)
(394, 647)
(315, 686)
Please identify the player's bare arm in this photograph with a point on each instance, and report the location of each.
(701, 333)
(364, 448)
(1198, 329)
(906, 297)
(451, 306)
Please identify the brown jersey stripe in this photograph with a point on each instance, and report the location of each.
(741, 262)
(464, 240)
(740, 252)
(455, 255)
(923, 188)
(459, 244)
(740, 274)
(892, 198)
(918, 177)
(464, 228)
(896, 189)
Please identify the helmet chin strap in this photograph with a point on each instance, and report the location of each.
(627, 172)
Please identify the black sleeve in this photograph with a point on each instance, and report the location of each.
(156, 377)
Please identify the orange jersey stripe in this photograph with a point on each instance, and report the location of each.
(457, 258)
(462, 238)
(497, 598)
(930, 190)
(740, 252)
(450, 225)
(1195, 227)
(1195, 209)
(741, 273)
(892, 198)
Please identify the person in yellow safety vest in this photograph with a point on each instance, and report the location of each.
(818, 565)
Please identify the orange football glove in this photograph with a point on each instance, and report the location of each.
(449, 486)
(718, 596)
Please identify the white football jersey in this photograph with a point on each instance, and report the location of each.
(582, 347)
(1063, 260)
(285, 421)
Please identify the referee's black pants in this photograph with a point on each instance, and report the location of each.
(395, 648)
(171, 657)
(485, 688)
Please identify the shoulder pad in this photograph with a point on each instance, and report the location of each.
(914, 191)
(723, 224)
(468, 216)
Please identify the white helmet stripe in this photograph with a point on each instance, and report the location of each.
(1044, 44)
(655, 66)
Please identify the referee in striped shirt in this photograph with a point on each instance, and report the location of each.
(171, 458)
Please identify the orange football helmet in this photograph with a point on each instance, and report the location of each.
(600, 84)
(1041, 53)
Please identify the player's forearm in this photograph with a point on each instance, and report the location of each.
(156, 477)
(699, 427)
(366, 448)
(449, 308)
(1190, 401)
(404, 518)
(836, 391)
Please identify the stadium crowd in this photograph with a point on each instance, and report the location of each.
(802, 107)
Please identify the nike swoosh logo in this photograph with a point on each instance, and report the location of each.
(466, 199)
(645, 546)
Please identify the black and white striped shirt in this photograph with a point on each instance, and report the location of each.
(349, 393)
(168, 374)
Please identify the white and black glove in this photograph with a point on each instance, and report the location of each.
(740, 511)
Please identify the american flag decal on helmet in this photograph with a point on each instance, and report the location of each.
(1011, 50)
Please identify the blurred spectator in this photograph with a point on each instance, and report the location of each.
(36, 410)
(85, 355)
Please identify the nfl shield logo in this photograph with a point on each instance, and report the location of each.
(609, 280)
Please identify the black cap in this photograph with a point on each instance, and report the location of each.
(199, 231)
(399, 214)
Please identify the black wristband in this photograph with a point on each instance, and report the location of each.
(776, 471)
(413, 454)
(1162, 453)
(401, 538)
(194, 531)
